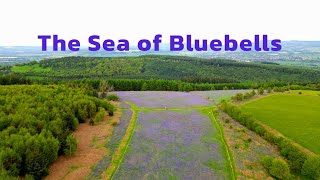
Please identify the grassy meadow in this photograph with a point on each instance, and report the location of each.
(295, 114)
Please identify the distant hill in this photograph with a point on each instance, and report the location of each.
(189, 69)
(293, 53)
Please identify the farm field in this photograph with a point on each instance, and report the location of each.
(292, 114)
(175, 136)
(29, 68)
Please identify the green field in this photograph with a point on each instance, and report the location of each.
(30, 68)
(295, 115)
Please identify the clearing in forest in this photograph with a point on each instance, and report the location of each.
(175, 136)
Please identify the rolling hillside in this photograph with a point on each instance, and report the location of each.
(187, 69)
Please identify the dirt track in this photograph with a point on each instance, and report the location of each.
(91, 150)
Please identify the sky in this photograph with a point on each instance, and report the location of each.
(22, 21)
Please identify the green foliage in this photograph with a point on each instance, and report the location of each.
(71, 145)
(35, 123)
(299, 161)
(277, 168)
(112, 97)
(238, 97)
(5, 176)
(260, 91)
(100, 115)
(311, 167)
(167, 67)
(269, 90)
(10, 79)
(41, 151)
(104, 88)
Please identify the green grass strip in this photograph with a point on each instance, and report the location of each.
(229, 155)
(120, 152)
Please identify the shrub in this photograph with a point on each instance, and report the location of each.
(100, 115)
(112, 97)
(280, 169)
(247, 95)
(238, 97)
(269, 90)
(295, 156)
(253, 93)
(110, 112)
(267, 161)
(71, 145)
(260, 91)
(311, 167)
(227, 120)
(277, 168)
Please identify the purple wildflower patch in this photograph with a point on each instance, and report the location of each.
(174, 145)
(117, 134)
(163, 99)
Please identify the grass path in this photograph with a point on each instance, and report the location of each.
(229, 155)
(120, 152)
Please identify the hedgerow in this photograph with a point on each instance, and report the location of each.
(299, 161)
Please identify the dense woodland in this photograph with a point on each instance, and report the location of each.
(36, 122)
(187, 69)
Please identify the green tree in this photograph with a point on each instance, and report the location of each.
(280, 169)
(144, 87)
(260, 91)
(104, 88)
(311, 167)
(71, 145)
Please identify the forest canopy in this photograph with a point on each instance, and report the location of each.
(187, 69)
(35, 124)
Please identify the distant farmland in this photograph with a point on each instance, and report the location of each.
(292, 114)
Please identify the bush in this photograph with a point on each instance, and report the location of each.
(100, 115)
(238, 97)
(71, 145)
(253, 93)
(311, 167)
(112, 97)
(280, 169)
(110, 112)
(267, 161)
(277, 168)
(269, 90)
(227, 120)
(260, 91)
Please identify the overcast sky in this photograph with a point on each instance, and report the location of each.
(22, 21)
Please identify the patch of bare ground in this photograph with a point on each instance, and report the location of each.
(91, 149)
(247, 148)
